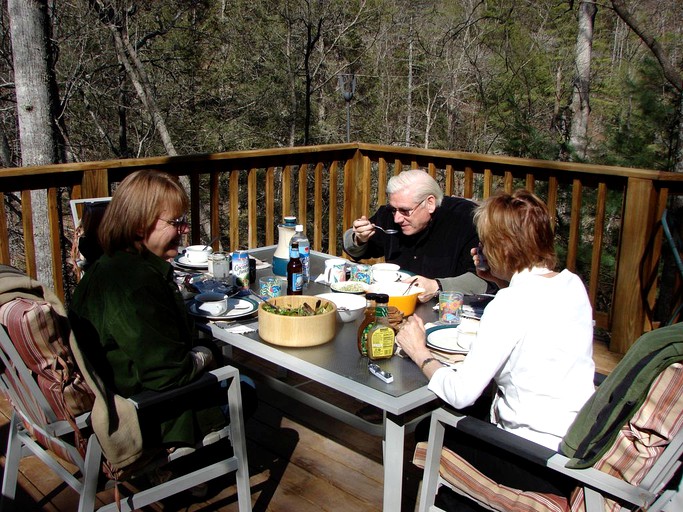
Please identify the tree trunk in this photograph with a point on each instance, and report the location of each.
(578, 136)
(37, 99)
(409, 99)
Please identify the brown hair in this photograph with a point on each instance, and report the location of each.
(516, 232)
(135, 207)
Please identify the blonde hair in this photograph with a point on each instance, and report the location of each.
(516, 232)
(135, 207)
(419, 181)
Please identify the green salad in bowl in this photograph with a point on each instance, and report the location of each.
(355, 287)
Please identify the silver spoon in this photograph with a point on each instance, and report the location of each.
(410, 286)
(212, 241)
(387, 231)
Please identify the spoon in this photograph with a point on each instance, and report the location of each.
(410, 286)
(211, 242)
(387, 231)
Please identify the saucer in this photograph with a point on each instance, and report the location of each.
(182, 260)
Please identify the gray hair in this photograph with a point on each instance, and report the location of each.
(419, 182)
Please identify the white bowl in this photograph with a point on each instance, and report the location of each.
(212, 303)
(197, 253)
(350, 307)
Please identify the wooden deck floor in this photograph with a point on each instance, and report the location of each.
(300, 460)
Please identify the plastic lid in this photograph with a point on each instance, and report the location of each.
(382, 298)
(290, 221)
(299, 227)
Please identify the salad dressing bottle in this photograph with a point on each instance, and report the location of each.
(381, 336)
(367, 322)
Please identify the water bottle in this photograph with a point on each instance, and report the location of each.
(304, 251)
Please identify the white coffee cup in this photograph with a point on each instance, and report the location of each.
(335, 270)
(197, 254)
(385, 272)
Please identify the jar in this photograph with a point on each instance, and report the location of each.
(219, 265)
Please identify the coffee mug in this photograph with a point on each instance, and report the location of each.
(335, 271)
(361, 272)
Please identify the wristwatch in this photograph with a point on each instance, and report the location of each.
(429, 360)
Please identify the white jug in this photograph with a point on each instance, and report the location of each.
(285, 232)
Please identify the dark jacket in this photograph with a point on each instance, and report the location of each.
(620, 395)
(440, 250)
(131, 323)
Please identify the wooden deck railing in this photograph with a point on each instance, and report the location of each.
(602, 213)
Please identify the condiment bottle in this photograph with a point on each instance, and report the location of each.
(367, 322)
(295, 271)
(381, 336)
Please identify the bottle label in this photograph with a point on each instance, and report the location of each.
(297, 282)
(381, 343)
(364, 339)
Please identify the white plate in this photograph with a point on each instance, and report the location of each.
(445, 339)
(182, 260)
(237, 308)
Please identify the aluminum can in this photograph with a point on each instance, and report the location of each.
(240, 269)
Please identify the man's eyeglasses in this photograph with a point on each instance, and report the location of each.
(180, 223)
(405, 212)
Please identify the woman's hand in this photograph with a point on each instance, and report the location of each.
(484, 271)
(412, 339)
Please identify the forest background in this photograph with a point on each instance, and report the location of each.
(147, 78)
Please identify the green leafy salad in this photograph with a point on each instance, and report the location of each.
(304, 309)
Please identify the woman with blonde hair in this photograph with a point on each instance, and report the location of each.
(534, 342)
(127, 311)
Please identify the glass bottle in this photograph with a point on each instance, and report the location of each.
(381, 336)
(366, 324)
(304, 250)
(295, 275)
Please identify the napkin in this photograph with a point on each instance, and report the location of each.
(237, 328)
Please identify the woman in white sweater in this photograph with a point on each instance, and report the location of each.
(534, 342)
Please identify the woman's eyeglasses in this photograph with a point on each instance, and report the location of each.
(405, 212)
(180, 223)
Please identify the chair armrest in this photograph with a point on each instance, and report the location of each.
(538, 454)
(210, 379)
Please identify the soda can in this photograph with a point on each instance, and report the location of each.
(240, 269)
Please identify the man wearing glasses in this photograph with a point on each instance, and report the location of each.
(434, 239)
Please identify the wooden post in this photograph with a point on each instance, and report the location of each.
(95, 183)
(356, 189)
(637, 224)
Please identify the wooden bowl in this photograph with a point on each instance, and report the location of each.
(297, 331)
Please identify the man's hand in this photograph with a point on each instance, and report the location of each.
(363, 230)
(431, 287)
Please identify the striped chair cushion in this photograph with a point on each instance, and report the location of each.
(638, 446)
(643, 439)
(466, 480)
(41, 338)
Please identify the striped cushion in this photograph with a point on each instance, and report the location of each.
(638, 446)
(643, 439)
(470, 482)
(40, 336)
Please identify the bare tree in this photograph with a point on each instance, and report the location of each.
(578, 136)
(127, 54)
(37, 100)
(669, 69)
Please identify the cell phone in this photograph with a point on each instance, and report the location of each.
(483, 262)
